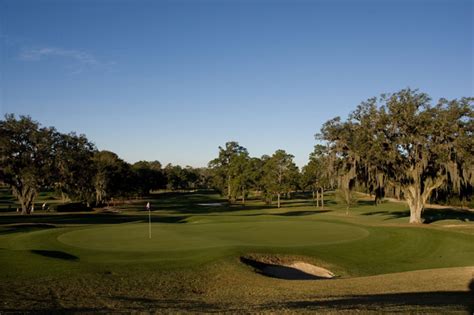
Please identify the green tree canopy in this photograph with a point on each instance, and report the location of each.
(223, 170)
(73, 166)
(149, 176)
(34, 157)
(316, 175)
(280, 173)
(403, 140)
(113, 176)
(25, 158)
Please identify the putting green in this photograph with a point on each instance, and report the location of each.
(134, 237)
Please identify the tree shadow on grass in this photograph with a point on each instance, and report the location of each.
(25, 227)
(461, 300)
(148, 304)
(429, 215)
(225, 207)
(391, 214)
(87, 218)
(433, 215)
(300, 213)
(55, 254)
(195, 203)
(235, 207)
(289, 213)
(375, 213)
(366, 203)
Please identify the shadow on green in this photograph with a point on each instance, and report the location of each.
(54, 254)
(87, 218)
(429, 215)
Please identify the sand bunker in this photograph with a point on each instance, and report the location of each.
(313, 270)
(211, 204)
(296, 270)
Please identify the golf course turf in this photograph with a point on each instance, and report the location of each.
(193, 261)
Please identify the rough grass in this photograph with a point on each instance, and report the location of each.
(105, 262)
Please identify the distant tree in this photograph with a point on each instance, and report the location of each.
(113, 176)
(242, 173)
(149, 176)
(222, 170)
(260, 179)
(187, 178)
(406, 143)
(73, 166)
(279, 174)
(344, 156)
(256, 175)
(204, 180)
(191, 177)
(25, 158)
(175, 177)
(316, 175)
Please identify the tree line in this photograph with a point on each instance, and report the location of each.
(35, 158)
(236, 175)
(398, 145)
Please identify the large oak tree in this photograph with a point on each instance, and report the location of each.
(25, 158)
(34, 157)
(403, 140)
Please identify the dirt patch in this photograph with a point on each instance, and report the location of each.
(286, 268)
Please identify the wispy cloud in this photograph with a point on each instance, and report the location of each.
(40, 53)
(81, 60)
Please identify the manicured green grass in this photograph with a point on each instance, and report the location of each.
(193, 247)
(340, 239)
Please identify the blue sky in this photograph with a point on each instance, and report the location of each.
(173, 80)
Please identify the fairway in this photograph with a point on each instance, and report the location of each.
(182, 237)
(193, 262)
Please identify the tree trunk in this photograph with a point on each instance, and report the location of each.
(416, 205)
(278, 200)
(25, 205)
(99, 196)
(347, 198)
(26, 197)
(228, 189)
(243, 197)
(416, 198)
(313, 196)
(416, 208)
(322, 197)
(64, 197)
(379, 194)
(397, 193)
